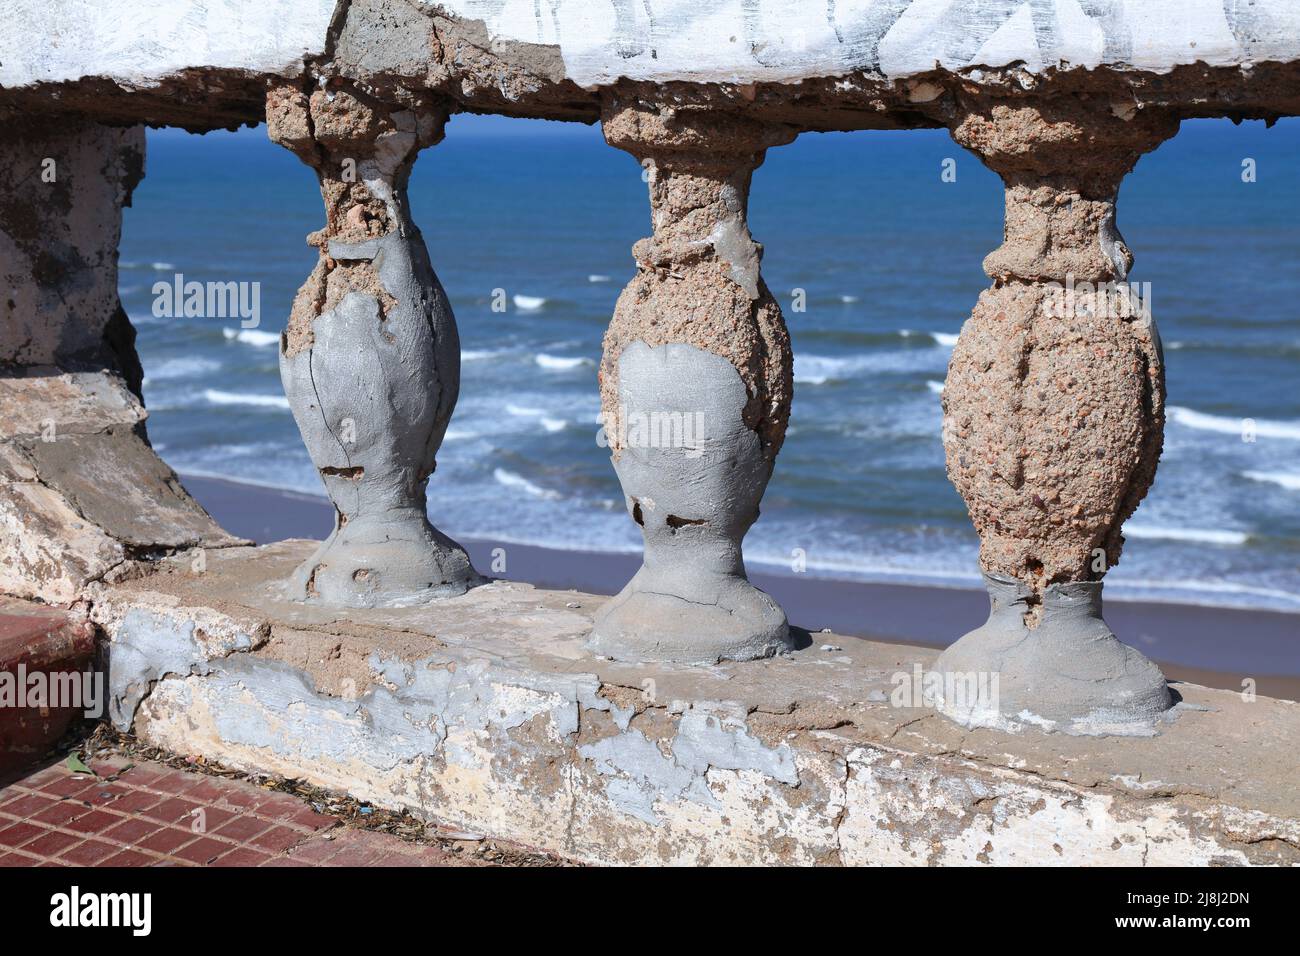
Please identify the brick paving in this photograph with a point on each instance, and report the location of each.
(149, 814)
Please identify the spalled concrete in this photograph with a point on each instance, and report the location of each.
(1054, 412)
(486, 712)
(370, 358)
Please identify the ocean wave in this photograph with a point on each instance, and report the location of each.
(1199, 535)
(180, 368)
(820, 369)
(217, 397)
(945, 339)
(479, 355)
(524, 411)
(528, 303)
(934, 386)
(459, 434)
(599, 278)
(554, 424)
(848, 299)
(560, 363)
(1263, 427)
(1288, 480)
(254, 337)
(512, 480)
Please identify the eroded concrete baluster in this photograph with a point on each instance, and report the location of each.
(370, 359)
(1054, 418)
(695, 392)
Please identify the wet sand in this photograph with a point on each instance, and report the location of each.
(1213, 646)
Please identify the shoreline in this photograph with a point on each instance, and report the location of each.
(1188, 641)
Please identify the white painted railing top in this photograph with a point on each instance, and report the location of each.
(139, 43)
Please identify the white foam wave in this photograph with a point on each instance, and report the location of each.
(217, 397)
(1288, 480)
(1199, 535)
(478, 355)
(560, 363)
(599, 278)
(524, 411)
(820, 369)
(254, 337)
(553, 424)
(946, 339)
(848, 299)
(528, 303)
(934, 386)
(1262, 427)
(180, 368)
(519, 482)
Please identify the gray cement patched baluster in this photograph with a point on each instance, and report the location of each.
(697, 344)
(370, 360)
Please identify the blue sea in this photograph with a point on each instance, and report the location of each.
(888, 257)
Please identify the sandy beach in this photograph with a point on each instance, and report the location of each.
(1213, 646)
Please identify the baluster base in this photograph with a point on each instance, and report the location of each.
(1069, 673)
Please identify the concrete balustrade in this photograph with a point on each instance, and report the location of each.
(514, 710)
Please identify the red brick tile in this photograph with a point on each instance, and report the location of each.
(241, 829)
(96, 821)
(171, 810)
(131, 858)
(284, 861)
(276, 839)
(89, 853)
(16, 834)
(355, 856)
(315, 850)
(44, 775)
(135, 801)
(51, 844)
(240, 798)
(175, 782)
(11, 860)
(27, 805)
(203, 850)
(105, 794)
(165, 840)
(62, 813)
(242, 856)
(211, 819)
(144, 775)
(132, 830)
(206, 790)
(69, 785)
(309, 819)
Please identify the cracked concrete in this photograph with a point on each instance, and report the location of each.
(801, 758)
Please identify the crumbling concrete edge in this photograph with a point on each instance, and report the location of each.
(593, 772)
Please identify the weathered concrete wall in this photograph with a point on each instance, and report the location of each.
(80, 488)
(449, 711)
(848, 64)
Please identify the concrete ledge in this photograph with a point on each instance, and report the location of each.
(486, 712)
